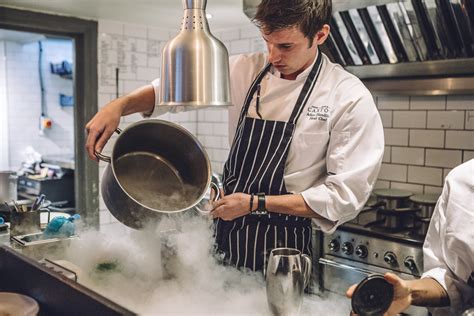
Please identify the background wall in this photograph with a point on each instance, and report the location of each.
(20, 99)
(425, 136)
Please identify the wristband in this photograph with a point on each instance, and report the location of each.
(261, 208)
(251, 203)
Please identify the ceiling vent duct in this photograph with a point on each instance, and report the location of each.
(416, 47)
(195, 64)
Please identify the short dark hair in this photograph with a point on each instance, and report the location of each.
(308, 15)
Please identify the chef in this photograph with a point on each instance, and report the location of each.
(448, 252)
(306, 138)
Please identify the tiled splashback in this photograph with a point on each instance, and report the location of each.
(20, 101)
(425, 136)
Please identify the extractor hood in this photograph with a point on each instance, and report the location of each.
(415, 47)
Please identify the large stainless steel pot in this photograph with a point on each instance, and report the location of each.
(157, 169)
(8, 186)
(425, 202)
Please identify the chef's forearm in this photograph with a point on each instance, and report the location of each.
(140, 100)
(428, 292)
(289, 204)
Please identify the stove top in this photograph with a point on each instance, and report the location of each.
(367, 223)
(408, 236)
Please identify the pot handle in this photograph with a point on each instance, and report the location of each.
(105, 158)
(306, 269)
(214, 186)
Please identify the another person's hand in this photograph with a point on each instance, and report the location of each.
(102, 126)
(231, 206)
(401, 297)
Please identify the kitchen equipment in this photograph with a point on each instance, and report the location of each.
(372, 296)
(59, 268)
(358, 249)
(422, 225)
(37, 245)
(425, 203)
(56, 295)
(8, 186)
(56, 189)
(393, 198)
(195, 64)
(22, 223)
(17, 304)
(8, 207)
(157, 169)
(395, 219)
(38, 202)
(287, 275)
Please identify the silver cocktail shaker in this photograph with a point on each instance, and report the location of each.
(287, 276)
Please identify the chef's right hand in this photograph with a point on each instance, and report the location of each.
(102, 126)
(401, 294)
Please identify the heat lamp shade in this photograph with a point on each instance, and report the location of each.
(195, 65)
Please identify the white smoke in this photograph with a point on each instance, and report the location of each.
(188, 280)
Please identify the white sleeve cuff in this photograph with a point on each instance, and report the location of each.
(319, 200)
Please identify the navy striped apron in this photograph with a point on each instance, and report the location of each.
(256, 164)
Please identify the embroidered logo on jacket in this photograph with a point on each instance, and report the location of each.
(320, 113)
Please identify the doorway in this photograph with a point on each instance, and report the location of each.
(83, 34)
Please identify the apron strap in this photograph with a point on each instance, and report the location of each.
(251, 91)
(307, 90)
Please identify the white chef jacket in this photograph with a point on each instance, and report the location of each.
(448, 251)
(338, 143)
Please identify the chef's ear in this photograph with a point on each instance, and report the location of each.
(322, 35)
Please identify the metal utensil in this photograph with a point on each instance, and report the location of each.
(16, 207)
(38, 202)
(287, 276)
(157, 170)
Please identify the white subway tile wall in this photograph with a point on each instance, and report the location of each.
(429, 135)
(23, 100)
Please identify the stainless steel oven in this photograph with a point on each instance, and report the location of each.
(355, 251)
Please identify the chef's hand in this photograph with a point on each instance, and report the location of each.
(231, 206)
(401, 296)
(102, 126)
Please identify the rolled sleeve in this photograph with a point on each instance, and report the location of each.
(353, 162)
(159, 110)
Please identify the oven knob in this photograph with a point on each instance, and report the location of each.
(347, 248)
(410, 263)
(390, 258)
(361, 251)
(334, 245)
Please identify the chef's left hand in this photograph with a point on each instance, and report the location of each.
(231, 206)
(401, 297)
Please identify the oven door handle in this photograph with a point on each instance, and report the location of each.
(329, 262)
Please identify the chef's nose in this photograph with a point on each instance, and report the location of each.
(274, 55)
